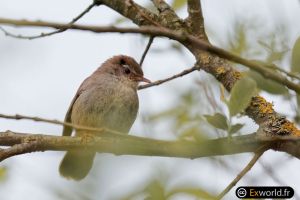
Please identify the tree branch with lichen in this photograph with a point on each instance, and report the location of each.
(120, 144)
(110, 141)
(259, 110)
(195, 19)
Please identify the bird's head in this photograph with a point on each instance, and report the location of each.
(125, 68)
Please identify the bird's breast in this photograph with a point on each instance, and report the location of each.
(114, 107)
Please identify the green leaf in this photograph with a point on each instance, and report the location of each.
(273, 54)
(238, 44)
(296, 57)
(235, 128)
(267, 85)
(155, 191)
(177, 4)
(217, 120)
(276, 56)
(241, 94)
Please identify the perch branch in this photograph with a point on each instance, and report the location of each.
(125, 145)
(117, 143)
(121, 144)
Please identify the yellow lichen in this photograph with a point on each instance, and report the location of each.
(205, 59)
(264, 107)
(221, 70)
(237, 75)
(290, 128)
(296, 133)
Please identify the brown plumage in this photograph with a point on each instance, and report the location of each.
(108, 98)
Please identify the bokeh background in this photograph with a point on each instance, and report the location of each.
(39, 78)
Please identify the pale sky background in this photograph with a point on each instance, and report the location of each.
(40, 77)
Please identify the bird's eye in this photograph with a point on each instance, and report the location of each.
(122, 62)
(127, 70)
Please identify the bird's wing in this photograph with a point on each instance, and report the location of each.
(67, 130)
(88, 83)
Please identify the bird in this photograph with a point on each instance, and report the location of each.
(106, 99)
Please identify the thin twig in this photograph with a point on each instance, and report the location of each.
(290, 74)
(52, 32)
(184, 72)
(57, 122)
(242, 173)
(151, 38)
(17, 149)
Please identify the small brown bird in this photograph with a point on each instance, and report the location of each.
(108, 98)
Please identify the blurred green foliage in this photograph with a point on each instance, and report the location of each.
(156, 189)
(296, 57)
(240, 95)
(185, 116)
(296, 69)
(267, 85)
(3, 173)
(217, 120)
(178, 4)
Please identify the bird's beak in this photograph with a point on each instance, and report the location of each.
(138, 78)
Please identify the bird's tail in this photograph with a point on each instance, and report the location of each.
(76, 165)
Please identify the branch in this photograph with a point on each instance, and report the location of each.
(184, 72)
(290, 74)
(124, 145)
(57, 122)
(195, 18)
(166, 12)
(53, 32)
(133, 11)
(151, 38)
(121, 144)
(175, 35)
(241, 174)
(17, 149)
(144, 17)
(109, 141)
(118, 143)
